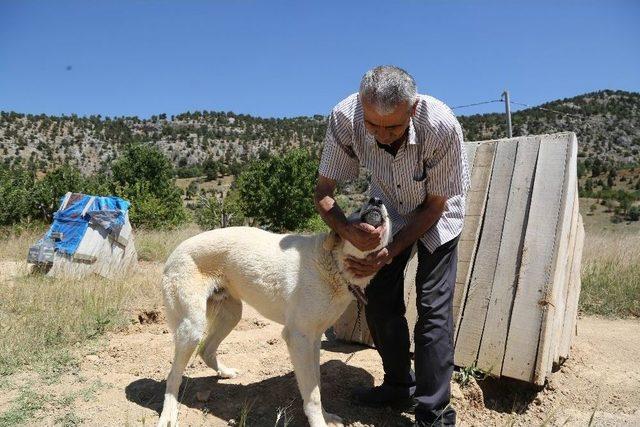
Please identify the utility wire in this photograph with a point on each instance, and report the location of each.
(553, 111)
(477, 103)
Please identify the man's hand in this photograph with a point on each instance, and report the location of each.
(362, 235)
(369, 265)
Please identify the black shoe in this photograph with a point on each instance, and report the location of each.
(440, 418)
(397, 397)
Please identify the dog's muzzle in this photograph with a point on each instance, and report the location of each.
(372, 215)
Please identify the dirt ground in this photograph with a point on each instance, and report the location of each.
(122, 381)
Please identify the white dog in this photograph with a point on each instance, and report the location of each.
(299, 281)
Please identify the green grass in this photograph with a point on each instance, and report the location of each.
(23, 409)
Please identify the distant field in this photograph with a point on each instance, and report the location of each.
(610, 264)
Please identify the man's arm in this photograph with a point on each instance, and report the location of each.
(419, 222)
(362, 235)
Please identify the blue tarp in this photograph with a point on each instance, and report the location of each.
(106, 211)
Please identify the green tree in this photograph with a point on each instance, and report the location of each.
(144, 176)
(56, 184)
(278, 191)
(219, 212)
(16, 192)
(211, 168)
(192, 190)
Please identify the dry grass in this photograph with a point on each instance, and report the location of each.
(15, 241)
(156, 245)
(611, 274)
(41, 318)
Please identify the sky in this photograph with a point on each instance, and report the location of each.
(292, 58)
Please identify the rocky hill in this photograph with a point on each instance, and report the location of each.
(607, 123)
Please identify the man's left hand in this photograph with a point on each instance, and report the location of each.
(363, 267)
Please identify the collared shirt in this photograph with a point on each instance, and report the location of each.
(431, 161)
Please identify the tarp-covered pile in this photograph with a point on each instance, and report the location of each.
(89, 234)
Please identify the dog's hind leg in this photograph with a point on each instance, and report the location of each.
(223, 316)
(186, 338)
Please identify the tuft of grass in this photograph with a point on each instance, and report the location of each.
(465, 374)
(23, 408)
(70, 419)
(244, 413)
(282, 418)
(611, 275)
(156, 245)
(42, 317)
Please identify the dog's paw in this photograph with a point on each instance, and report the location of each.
(228, 373)
(333, 420)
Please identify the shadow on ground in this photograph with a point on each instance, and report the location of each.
(263, 399)
(507, 396)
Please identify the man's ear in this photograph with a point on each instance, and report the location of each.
(331, 241)
(413, 108)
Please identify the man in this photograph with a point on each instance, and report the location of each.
(412, 144)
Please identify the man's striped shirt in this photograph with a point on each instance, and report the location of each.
(432, 161)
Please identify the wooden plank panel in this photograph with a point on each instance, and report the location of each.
(554, 293)
(479, 291)
(537, 261)
(496, 326)
(476, 200)
(348, 329)
(561, 308)
(411, 312)
(571, 315)
(470, 149)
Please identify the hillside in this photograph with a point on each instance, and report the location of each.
(607, 124)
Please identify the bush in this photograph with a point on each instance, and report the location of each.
(278, 191)
(634, 213)
(217, 212)
(16, 192)
(144, 176)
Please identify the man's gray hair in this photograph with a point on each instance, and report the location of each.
(387, 86)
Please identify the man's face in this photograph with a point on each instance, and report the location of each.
(387, 128)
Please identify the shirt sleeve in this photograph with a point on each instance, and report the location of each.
(446, 168)
(339, 162)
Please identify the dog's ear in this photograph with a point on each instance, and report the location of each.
(330, 241)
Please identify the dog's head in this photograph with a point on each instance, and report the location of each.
(373, 213)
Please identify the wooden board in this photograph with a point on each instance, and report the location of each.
(496, 326)
(348, 328)
(475, 205)
(549, 334)
(537, 261)
(571, 312)
(411, 312)
(471, 149)
(479, 289)
(561, 306)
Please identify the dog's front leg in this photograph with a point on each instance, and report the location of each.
(305, 356)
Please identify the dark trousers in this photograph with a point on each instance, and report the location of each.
(433, 333)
